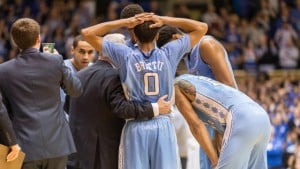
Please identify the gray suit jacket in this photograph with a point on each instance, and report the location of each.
(7, 135)
(30, 85)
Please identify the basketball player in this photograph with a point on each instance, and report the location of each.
(148, 73)
(244, 124)
(127, 12)
(207, 58)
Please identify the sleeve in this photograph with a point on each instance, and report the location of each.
(176, 49)
(7, 135)
(70, 82)
(124, 108)
(117, 52)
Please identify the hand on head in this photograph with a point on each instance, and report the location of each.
(157, 21)
(137, 19)
(151, 17)
(141, 18)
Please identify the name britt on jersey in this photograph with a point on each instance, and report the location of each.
(154, 65)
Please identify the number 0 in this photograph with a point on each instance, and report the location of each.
(151, 84)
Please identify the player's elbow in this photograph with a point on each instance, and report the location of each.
(202, 28)
(86, 33)
(178, 93)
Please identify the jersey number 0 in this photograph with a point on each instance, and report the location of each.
(151, 83)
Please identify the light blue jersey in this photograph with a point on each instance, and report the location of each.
(214, 100)
(148, 143)
(244, 124)
(197, 66)
(70, 65)
(147, 76)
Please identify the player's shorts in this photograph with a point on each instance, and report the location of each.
(149, 144)
(246, 137)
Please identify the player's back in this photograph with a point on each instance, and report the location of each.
(149, 76)
(197, 66)
(226, 95)
(213, 99)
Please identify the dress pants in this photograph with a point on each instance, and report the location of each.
(49, 163)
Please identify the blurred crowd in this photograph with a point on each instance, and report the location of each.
(259, 35)
(281, 99)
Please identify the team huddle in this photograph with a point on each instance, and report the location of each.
(119, 108)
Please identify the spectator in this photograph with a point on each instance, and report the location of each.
(249, 57)
(284, 35)
(288, 55)
(275, 152)
(266, 52)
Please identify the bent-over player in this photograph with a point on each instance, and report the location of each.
(244, 124)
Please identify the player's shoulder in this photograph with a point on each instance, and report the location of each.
(208, 41)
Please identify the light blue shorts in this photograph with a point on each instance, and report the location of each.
(149, 144)
(246, 137)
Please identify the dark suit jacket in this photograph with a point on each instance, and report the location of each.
(96, 117)
(7, 135)
(30, 86)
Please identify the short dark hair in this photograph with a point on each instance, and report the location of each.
(144, 33)
(131, 10)
(25, 32)
(76, 40)
(166, 33)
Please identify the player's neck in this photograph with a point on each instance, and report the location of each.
(146, 47)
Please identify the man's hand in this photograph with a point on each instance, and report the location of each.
(158, 22)
(14, 153)
(137, 19)
(47, 50)
(164, 106)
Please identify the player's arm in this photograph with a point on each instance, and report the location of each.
(126, 109)
(213, 54)
(194, 28)
(94, 34)
(184, 95)
(218, 142)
